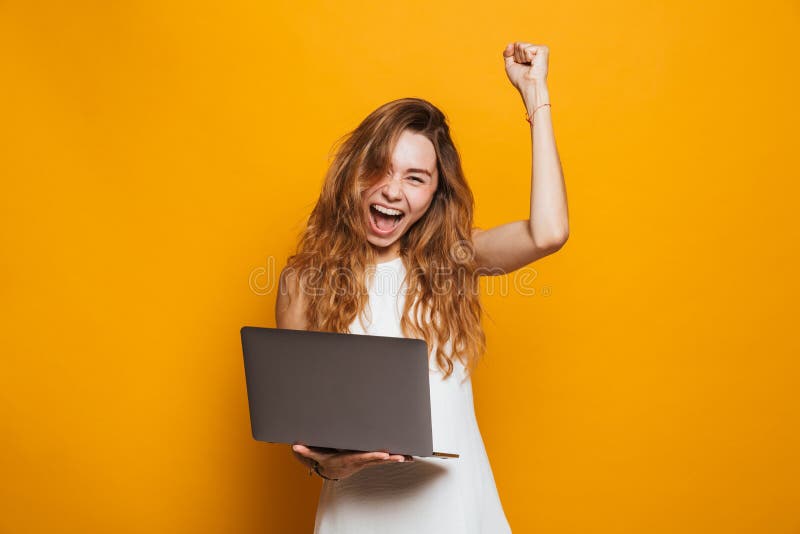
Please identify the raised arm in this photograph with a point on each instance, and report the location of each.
(507, 247)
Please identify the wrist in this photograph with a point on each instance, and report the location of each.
(535, 95)
(316, 468)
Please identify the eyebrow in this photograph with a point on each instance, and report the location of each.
(423, 171)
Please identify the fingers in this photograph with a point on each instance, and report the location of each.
(524, 52)
(314, 453)
(342, 464)
(309, 452)
(370, 456)
(314, 450)
(521, 52)
(354, 457)
(394, 458)
(383, 455)
(301, 449)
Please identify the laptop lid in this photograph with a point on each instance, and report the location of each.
(341, 391)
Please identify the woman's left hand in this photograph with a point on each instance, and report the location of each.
(526, 64)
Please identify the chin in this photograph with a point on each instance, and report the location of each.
(382, 242)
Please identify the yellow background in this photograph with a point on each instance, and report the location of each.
(159, 158)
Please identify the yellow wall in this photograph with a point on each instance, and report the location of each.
(155, 156)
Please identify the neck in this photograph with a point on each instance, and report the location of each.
(384, 254)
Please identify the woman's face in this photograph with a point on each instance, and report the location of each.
(398, 199)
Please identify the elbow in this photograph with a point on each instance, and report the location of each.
(561, 239)
(555, 244)
(553, 241)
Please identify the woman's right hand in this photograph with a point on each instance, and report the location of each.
(338, 464)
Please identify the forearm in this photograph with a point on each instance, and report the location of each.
(548, 215)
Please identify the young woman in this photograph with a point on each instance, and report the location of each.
(390, 249)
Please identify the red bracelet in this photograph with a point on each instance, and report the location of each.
(529, 118)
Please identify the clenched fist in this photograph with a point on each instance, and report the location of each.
(526, 64)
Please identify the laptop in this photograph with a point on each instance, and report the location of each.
(349, 392)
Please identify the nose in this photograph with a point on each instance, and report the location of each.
(392, 189)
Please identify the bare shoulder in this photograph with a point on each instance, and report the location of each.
(290, 306)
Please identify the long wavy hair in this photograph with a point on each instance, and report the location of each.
(334, 259)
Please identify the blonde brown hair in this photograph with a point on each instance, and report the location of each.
(333, 255)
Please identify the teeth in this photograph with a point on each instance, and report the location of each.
(387, 211)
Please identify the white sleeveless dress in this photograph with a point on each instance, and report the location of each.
(428, 495)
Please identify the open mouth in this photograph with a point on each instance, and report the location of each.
(385, 219)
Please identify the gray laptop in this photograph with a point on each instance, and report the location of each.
(340, 391)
